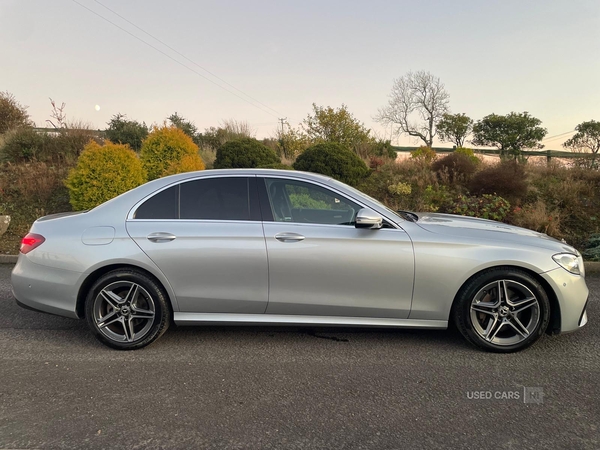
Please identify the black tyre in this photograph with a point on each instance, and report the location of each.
(502, 310)
(127, 310)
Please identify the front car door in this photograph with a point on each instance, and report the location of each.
(205, 235)
(321, 265)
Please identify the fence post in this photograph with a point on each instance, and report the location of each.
(548, 156)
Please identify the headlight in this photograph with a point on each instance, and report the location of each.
(569, 262)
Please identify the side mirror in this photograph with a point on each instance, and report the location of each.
(367, 218)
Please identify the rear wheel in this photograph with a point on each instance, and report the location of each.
(502, 310)
(126, 310)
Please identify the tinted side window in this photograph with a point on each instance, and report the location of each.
(164, 205)
(215, 198)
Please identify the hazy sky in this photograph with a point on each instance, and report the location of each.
(493, 56)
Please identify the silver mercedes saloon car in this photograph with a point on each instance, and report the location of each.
(259, 246)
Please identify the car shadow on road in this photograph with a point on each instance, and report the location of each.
(309, 335)
(63, 332)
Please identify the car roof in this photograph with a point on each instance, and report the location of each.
(263, 172)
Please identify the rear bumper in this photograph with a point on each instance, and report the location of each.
(572, 295)
(44, 288)
(24, 306)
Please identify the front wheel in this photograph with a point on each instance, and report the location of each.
(502, 310)
(127, 310)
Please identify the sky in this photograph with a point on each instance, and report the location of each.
(494, 56)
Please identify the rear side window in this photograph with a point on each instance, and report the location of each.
(215, 198)
(234, 198)
(164, 205)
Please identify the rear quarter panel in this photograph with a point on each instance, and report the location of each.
(80, 244)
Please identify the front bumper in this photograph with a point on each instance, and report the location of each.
(572, 295)
(45, 288)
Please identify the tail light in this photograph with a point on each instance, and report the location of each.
(30, 242)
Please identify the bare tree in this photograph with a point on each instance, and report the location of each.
(58, 114)
(417, 102)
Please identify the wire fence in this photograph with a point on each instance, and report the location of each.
(548, 154)
(99, 133)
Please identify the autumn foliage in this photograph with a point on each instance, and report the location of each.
(103, 172)
(168, 150)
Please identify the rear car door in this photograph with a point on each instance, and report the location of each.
(320, 264)
(206, 236)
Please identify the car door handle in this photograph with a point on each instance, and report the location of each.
(161, 237)
(289, 237)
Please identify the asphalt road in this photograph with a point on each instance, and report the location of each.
(292, 388)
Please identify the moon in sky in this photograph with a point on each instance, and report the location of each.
(97, 107)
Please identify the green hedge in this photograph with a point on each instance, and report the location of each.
(244, 153)
(333, 160)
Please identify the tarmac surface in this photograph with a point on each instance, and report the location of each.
(292, 388)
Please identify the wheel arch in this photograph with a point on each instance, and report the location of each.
(100, 271)
(555, 316)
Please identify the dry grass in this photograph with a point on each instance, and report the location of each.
(537, 217)
(287, 161)
(28, 191)
(208, 155)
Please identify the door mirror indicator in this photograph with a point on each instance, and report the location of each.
(367, 218)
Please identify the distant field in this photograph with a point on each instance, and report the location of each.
(493, 154)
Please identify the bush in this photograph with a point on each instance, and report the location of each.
(228, 130)
(23, 144)
(26, 144)
(28, 191)
(164, 148)
(424, 153)
(573, 193)
(391, 182)
(592, 248)
(507, 179)
(377, 186)
(376, 149)
(208, 156)
(103, 172)
(384, 149)
(279, 166)
(400, 189)
(467, 152)
(290, 143)
(123, 131)
(69, 143)
(333, 160)
(244, 153)
(487, 206)
(12, 113)
(187, 163)
(537, 217)
(458, 166)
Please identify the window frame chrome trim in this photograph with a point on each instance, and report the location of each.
(135, 207)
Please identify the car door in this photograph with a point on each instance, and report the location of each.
(206, 236)
(320, 264)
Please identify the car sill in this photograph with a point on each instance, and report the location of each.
(187, 318)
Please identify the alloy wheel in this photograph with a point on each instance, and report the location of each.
(124, 311)
(505, 312)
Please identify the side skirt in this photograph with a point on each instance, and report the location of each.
(186, 318)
